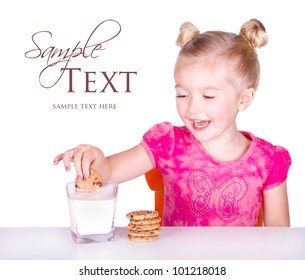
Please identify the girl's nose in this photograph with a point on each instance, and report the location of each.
(195, 106)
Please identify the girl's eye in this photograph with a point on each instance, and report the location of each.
(208, 97)
(181, 96)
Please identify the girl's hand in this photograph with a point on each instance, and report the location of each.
(83, 157)
(119, 167)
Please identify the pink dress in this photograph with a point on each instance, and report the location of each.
(201, 191)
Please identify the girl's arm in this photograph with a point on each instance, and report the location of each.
(118, 167)
(275, 206)
(129, 164)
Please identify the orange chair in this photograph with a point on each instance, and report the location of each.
(154, 180)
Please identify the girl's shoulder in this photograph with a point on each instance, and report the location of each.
(265, 148)
(273, 160)
(166, 130)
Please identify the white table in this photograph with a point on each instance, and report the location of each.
(184, 243)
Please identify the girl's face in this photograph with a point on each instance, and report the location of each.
(206, 102)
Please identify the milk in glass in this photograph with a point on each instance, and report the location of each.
(92, 212)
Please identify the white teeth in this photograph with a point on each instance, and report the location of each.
(201, 124)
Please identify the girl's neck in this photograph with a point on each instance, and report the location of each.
(228, 148)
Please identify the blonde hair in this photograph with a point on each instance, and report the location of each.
(239, 50)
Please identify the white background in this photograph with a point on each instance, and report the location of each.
(32, 190)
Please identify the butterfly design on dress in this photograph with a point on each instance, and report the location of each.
(223, 199)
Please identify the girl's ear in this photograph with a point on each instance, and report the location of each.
(246, 99)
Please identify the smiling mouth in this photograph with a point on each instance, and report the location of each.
(201, 124)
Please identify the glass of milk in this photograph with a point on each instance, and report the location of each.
(92, 212)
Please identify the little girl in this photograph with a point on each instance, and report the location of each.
(214, 175)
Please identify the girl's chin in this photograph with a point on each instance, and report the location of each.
(201, 136)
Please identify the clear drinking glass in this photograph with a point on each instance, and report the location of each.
(92, 212)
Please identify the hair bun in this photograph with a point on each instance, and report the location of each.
(254, 32)
(188, 31)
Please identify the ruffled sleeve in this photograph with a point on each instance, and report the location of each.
(278, 168)
(158, 142)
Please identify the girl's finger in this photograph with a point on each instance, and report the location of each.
(77, 160)
(68, 157)
(86, 163)
(57, 159)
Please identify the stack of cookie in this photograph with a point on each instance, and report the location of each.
(144, 225)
